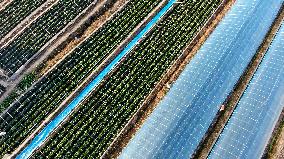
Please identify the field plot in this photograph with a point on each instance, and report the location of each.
(35, 105)
(42, 136)
(182, 118)
(15, 12)
(106, 111)
(249, 128)
(33, 38)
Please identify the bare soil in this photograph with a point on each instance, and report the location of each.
(275, 149)
(279, 154)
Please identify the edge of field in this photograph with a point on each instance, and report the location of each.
(275, 147)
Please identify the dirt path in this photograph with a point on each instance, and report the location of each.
(278, 152)
(51, 62)
(26, 22)
(163, 86)
(275, 148)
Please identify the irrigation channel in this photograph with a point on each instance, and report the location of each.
(250, 127)
(182, 118)
(42, 136)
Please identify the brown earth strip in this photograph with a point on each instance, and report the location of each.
(275, 148)
(232, 100)
(163, 86)
(60, 54)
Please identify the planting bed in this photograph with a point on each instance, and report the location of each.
(35, 105)
(91, 129)
(15, 12)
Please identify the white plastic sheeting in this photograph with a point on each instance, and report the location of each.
(181, 119)
(251, 125)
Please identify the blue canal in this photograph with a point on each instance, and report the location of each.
(42, 136)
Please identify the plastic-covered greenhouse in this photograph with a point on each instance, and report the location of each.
(250, 127)
(178, 124)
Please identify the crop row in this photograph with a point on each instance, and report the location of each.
(19, 51)
(15, 12)
(50, 91)
(90, 130)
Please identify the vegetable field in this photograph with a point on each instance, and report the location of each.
(15, 12)
(28, 43)
(77, 76)
(105, 112)
(34, 106)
